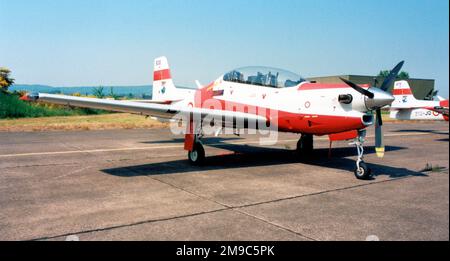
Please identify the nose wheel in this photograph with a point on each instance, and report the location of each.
(362, 171)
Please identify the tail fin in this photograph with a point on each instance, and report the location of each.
(403, 95)
(163, 87)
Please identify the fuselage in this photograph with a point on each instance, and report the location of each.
(417, 114)
(418, 110)
(305, 107)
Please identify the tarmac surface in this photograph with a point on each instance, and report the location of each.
(138, 185)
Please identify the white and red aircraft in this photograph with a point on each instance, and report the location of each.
(257, 97)
(407, 107)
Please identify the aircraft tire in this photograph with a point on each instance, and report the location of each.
(197, 155)
(364, 172)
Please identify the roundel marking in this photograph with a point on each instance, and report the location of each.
(307, 104)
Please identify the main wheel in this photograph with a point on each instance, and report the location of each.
(305, 146)
(363, 172)
(197, 155)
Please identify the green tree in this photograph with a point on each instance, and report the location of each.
(112, 94)
(5, 79)
(98, 92)
(402, 75)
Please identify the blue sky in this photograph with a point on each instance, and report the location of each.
(112, 42)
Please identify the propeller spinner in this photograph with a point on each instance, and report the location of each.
(376, 99)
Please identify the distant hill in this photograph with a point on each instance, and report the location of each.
(135, 91)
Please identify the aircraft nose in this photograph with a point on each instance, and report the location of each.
(380, 99)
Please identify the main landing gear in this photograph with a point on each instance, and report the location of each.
(197, 155)
(362, 171)
(305, 146)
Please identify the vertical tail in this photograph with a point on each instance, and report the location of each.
(403, 95)
(163, 87)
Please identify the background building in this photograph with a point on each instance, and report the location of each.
(421, 88)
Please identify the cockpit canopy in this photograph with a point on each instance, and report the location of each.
(264, 76)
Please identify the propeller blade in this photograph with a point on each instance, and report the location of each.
(391, 77)
(379, 139)
(357, 88)
(379, 118)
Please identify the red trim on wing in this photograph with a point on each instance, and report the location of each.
(444, 103)
(346, 135)
(161, 75)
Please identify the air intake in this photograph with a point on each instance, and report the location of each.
(345, 98)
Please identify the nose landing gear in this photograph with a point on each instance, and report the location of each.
(362, 171)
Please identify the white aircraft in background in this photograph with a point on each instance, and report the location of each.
(257, 97)
(407, 107)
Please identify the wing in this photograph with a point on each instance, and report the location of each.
(150, 109)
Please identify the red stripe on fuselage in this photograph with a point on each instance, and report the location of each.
(401, 92)
(316, 124)
(286, 121)
(203, 94)
(161, 75)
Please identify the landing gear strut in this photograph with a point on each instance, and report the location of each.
(362, 171)
(305, 146)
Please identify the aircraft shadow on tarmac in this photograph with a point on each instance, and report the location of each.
(428, 131)
(181, 140)
(423, 131)
(242, 156)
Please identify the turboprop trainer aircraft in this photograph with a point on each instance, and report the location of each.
(255, 98)
(407, 107)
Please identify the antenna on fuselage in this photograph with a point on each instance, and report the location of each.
(199, 85)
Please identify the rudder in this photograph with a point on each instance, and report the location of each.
(163, 87)
(402, 94)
